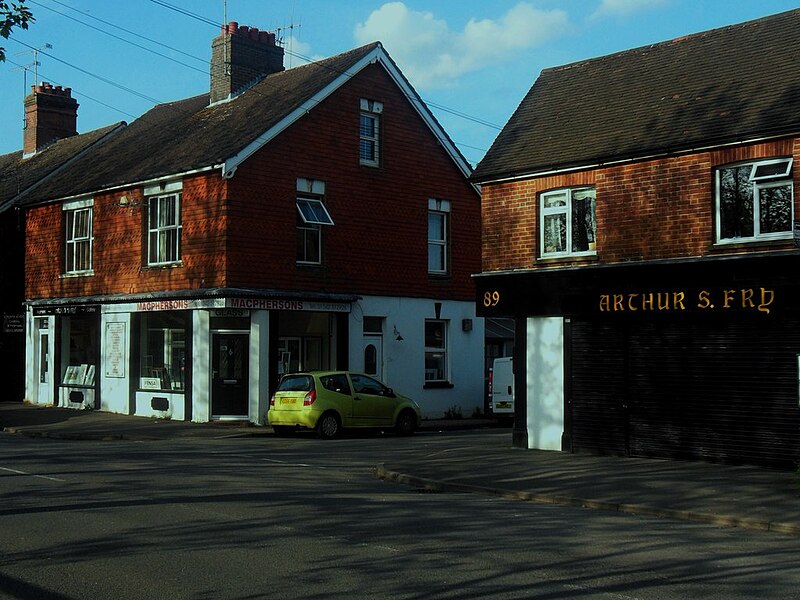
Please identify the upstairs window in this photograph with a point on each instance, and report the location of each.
(164, 224)
(79, 239)
(568, 225)
(369, 143)
(312, 216)
(438, 236)
(755, 201)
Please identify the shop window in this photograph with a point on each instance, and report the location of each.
(435, 351)
(369, 132)
(81, 358)
(438, 236)
(755, 201)
(162, 348)
(568, 225)
(164, 224)
(78, 230)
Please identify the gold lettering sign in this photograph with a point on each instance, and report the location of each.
(759, 299)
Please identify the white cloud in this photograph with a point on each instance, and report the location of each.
(624, 7)
(297, 52)
(432, 55)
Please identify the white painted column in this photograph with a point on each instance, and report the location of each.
(201, 366)
(545, 375)
(259, 366)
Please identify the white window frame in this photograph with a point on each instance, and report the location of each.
(312, 215)
(313, 212)
(566, 210)
(78, 247)
(161, 250)
(439, 209)
(759, 182)
(371, 110)
(443, 349)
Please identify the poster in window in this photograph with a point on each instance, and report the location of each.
(115, 349)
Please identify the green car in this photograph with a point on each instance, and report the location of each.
(328, 401)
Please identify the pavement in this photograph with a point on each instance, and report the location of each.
(748, 497)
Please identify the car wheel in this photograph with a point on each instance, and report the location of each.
(406, 423)
(328, 426)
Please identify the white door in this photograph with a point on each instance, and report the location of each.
(44, 365)
(373, 355)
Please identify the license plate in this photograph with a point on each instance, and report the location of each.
(288, 400)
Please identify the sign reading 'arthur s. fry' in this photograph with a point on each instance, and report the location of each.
(760, 299)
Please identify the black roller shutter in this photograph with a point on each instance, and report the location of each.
(717, 390)
(714, 389)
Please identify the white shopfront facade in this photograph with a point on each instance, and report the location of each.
(207, 359)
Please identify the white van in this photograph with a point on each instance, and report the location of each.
(501, 384)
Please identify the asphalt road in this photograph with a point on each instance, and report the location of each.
(302, 518)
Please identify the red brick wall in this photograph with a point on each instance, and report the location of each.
(657, 209)
(118, 246)
(378, 244)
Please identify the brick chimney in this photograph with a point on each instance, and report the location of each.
(240, 56)
(51, 113)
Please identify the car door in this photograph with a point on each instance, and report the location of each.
(373, 402)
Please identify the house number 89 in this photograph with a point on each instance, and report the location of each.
(491, 298)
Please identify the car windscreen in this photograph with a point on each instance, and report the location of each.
(296, 383)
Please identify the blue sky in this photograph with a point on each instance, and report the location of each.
(471, 60)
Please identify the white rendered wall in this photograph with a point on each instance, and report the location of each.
(404, 361)
(545, 374)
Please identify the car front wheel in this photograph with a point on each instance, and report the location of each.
(328, 426)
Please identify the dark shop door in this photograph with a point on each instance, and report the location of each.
(230, 374)
(598, 395)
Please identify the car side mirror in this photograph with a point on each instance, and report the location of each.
(389, 392)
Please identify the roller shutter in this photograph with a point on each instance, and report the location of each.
(713, 389)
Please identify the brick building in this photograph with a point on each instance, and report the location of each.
(316, 217)
(50, 143)
(639, 221)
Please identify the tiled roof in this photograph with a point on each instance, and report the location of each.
(183, 136)
(19, 175)
(722, 86)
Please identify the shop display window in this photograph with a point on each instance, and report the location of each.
(163, 352)
(79, 368)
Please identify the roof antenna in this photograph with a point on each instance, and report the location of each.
(279, 36)
(25, 68)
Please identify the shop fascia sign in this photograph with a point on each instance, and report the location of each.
(232, 303)
(758, 299)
